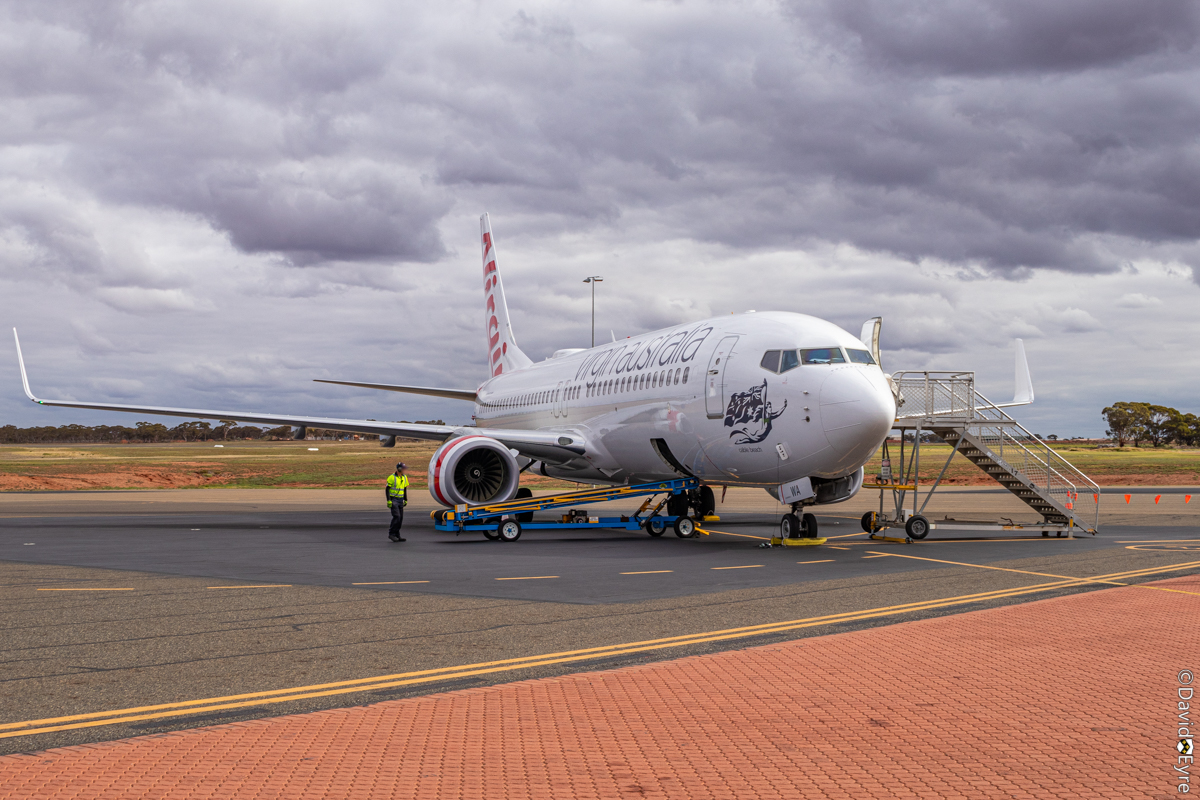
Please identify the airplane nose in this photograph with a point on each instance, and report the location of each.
(856, 412)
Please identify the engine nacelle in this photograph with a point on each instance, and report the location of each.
(473, 470)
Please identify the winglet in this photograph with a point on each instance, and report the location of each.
(1023, 391)
(21, 362)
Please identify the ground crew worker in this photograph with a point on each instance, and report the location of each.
(397, 499)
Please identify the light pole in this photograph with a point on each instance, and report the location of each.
(593, 280)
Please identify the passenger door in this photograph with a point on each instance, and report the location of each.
(715, 392)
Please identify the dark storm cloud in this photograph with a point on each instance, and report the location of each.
(977, 37)
(995, 136)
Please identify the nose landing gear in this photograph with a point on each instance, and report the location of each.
(798, 529)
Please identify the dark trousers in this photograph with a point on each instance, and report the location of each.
(397, 518)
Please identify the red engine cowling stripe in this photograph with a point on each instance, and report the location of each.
(436, 472)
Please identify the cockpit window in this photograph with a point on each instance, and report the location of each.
(770, 360)
(860, 357)
(791, 360)
(822, 355)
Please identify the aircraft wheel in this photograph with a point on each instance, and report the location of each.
(523, 493)
(685, 528)
(917, 527)
(708, 502)
(655, 526)
(677, 506)
(808, 526)
(868, 522)
(493, 535)
(789, 527)
(509, 530)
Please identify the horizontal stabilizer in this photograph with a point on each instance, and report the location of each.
(430, 391)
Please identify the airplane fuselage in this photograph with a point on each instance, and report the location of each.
(724, 396)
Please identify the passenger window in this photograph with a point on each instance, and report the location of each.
(822, 355)
(791, 360)
(770, 361)
(685, 373)
(677, 376)
(860, 357)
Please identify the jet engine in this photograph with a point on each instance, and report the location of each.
(473, 470)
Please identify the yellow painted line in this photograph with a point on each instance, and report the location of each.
(743, 535)
(207, 705)
(744, 566)
(529, 578)
(254, 586)
(1039, 574)
(385, 583)
(833, 547)
(847, 535)
(978, 566)
(649, 572)
(93, 589)
(877, 555)
(1005, 539)
(1159, 541)
(826, 561)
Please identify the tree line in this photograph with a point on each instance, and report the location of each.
(142, 432)
(150, 432)
(1145, 422)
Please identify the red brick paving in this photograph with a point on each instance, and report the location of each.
(994, 703)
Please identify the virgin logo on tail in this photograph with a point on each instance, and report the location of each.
(502, 347)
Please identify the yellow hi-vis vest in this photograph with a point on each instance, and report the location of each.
(397, 487)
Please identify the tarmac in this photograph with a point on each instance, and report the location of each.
(711, 666)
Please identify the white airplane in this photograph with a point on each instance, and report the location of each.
(778, 400)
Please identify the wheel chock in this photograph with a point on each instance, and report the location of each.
(897, 539)
(711, 518)
(803, 542)
(776, 541)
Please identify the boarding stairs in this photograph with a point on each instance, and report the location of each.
(947, 405)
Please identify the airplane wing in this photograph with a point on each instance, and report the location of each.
(453, 394)
(552, 446)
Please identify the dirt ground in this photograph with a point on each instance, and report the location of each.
(363, 464)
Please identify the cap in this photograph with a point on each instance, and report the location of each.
(401, 465)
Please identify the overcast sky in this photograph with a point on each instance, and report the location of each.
(211, 204)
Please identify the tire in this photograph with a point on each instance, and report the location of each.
(808, 526)
(439, 516)
(789, 527)
(677, 506)
(655, 526)
(917, 527)
(685, 528)
(868, 522)
(493, 535)
(509, 530)
(522, 493)
(708, 502)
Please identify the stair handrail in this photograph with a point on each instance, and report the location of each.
(1055, 465)
(946, 383)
